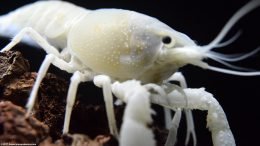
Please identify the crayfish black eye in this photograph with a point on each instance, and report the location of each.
(166, 40)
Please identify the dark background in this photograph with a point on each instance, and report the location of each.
(201, 20)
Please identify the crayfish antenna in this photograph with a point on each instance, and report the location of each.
(232, 21)
(233, 72)
(223, 58)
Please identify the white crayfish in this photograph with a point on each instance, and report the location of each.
(129, 54)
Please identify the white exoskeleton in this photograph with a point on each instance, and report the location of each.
(112, 47)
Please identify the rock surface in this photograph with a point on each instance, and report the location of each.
(16, 127)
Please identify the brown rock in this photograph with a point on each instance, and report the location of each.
(79, 140)
(12, 64)
(18, 88)
(16, 127)
(51, 103)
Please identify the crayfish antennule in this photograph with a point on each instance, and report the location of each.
(232, 21)
(224, 59)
